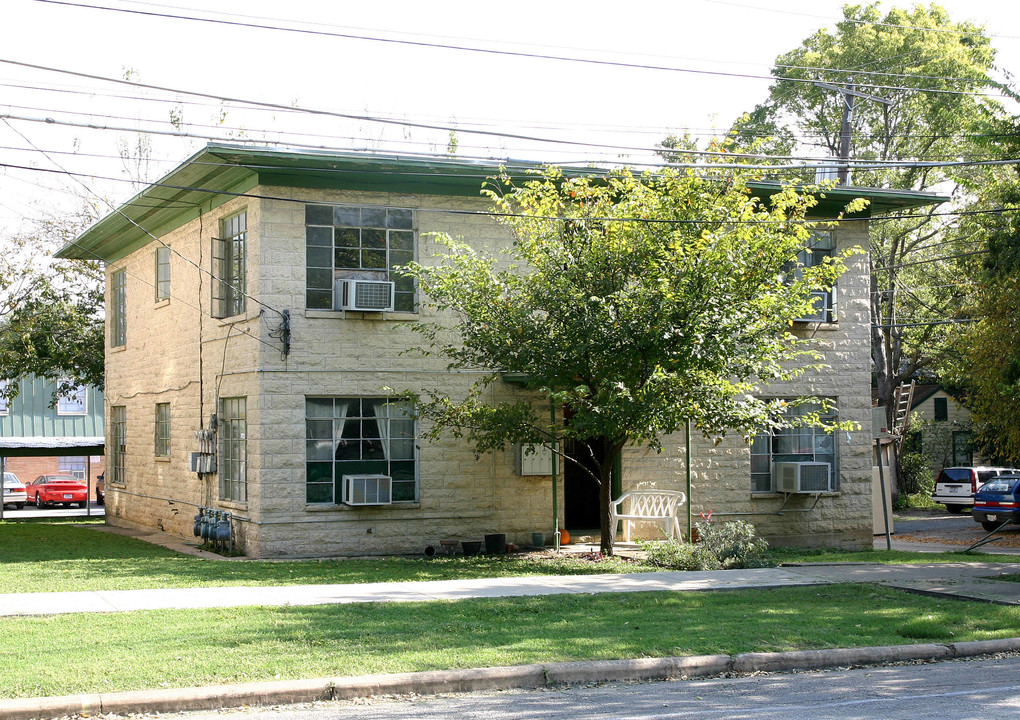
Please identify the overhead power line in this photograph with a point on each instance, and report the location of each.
(185, 258)
(814, 162)
(508, 53)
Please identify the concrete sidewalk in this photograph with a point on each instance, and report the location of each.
(970, 580)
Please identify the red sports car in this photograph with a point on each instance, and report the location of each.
(53, 489)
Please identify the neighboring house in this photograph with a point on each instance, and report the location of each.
(248, 351)
(946, 431)
(39, 436)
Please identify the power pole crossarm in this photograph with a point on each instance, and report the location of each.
(846, 131)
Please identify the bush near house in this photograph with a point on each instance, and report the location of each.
(725, 545)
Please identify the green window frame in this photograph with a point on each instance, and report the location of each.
(358, 242)
(162, 273)
(115, 468)
(118, 308)
(233, 433)
(230, 271)
(795, 444)
(821, 246)
(359, 436)
(162, 430)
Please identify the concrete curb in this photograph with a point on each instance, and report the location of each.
(285, 692)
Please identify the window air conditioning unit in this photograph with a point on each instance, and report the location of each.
(364, 295)
(367, 490)
(801, 477)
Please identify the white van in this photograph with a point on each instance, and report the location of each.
(955, 486)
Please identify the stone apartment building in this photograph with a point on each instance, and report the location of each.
(252, 331)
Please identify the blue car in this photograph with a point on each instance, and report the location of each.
(997, 502)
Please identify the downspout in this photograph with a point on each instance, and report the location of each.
(690, 515)
(555, 484)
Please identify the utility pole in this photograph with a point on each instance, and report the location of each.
(846, 130)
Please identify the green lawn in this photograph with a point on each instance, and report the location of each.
(63, 556)
(66, 654)
(54, 557)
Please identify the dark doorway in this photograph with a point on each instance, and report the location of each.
(580, 491)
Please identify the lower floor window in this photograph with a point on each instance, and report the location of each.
(117, 445)
(233, 432)
(359, 436)
(963, 455)
(812, 448)
(68, 465)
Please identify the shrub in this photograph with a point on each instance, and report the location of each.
(720, 545)
(677, 555)
(735, 544)
(916, 473)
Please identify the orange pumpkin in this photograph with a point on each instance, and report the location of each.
(564, 537)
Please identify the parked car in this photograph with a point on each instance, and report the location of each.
(57, 489)
(955, 486)
(997, 501)
(101, 489)
(14, 491)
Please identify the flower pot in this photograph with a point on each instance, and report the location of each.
(471, 547)
(538, 539)
(495, 544)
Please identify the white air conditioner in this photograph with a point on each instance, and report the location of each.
(801, 477)
(364, 295)
(367, 490)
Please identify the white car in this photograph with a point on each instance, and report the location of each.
(955, 486)
(14, 491)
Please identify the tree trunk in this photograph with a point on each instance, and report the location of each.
(611, 450)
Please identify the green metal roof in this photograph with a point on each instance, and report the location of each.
(219, 172)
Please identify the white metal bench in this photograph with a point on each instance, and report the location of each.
(661, 506)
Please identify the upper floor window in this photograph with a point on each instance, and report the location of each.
(941, 408)
(345, 242)
(73, 402)
(811, 447)
(5, 406)
(230, 274)
(162, 273)
(821, 246)
(118, 308)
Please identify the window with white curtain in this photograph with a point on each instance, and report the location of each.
(359, 436)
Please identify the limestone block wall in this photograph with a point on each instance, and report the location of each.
(177, 353)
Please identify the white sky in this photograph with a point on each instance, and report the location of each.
(546, 98)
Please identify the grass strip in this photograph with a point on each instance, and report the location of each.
(66, 654)
(64, 557)
(60, 557)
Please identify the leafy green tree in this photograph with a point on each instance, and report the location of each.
(631, 303)
(985, 362)
(51, 311)
(929, 71)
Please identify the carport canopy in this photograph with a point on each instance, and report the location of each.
(47, 446)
